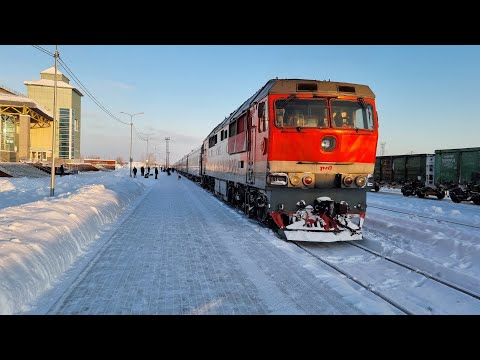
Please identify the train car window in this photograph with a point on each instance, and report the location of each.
(241, 125)
(212, 141)
(233, 129)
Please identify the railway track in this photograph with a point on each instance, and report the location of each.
(309, 248)
(424, 217)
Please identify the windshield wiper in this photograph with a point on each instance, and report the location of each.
(287, 100)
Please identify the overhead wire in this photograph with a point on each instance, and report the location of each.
(86, 91)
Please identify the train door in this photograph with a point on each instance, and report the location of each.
(258, 134)
(251, 147)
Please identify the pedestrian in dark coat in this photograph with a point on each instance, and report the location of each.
(142, 171)
(62, 170)
(134, 172)
(156, 173)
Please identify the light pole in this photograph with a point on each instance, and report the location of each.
(131, 125)
(167, 153)
(54, 129)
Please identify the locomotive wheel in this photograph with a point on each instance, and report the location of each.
(454, 198)
(262, 213)
(376, 188)
(441, 196)
(420, 194)
(405, 192)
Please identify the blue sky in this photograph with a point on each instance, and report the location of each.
(426, 95)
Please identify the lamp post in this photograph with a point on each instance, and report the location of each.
(167, 153)
(131, 125)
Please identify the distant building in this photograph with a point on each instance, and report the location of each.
(107, 164)
(20, 117)
(68, 115)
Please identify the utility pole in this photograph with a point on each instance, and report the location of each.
(167, 153)
(131, 126)
(154, 154)
(382, 148)
(147, 160)
(52, 174)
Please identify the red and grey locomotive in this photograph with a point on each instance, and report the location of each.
(298, 154)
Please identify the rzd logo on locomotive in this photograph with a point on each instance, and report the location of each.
(326, 168)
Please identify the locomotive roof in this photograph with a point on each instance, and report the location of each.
(291, 86)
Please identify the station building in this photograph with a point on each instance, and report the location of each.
(68, 115)
(26, 121)
(21, 119)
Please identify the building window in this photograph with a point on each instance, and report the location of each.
(64, 133)
(7, 137)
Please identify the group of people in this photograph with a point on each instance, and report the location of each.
(142, 172)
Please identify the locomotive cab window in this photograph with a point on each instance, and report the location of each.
(303, 113)
(262, 117)
(352, 114)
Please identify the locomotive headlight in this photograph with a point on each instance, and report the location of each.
(328, 143)
(277, 179)
(307, 180)
(360, 181)
(294, 180)
(348, 180)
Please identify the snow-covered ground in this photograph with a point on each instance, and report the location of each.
(41, 236)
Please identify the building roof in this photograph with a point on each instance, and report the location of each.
(51, 83)
(16, 100)
(51, 70)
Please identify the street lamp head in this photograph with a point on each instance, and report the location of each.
(132, 115)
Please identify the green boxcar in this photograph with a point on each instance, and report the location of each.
(458, 166)
(402, 168)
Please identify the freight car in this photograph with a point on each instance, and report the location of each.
(457, 170)
(297, 155)
(400, 169)
(461, 169)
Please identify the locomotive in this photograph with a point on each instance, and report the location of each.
(298, 155)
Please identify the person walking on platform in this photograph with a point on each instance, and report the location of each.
(156, 172)
(134, 172)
